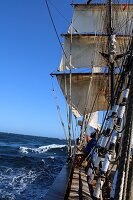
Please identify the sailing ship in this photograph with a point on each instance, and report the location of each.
(96, 78)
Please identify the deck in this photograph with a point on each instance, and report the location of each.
(79, 187)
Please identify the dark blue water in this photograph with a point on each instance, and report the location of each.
(29, 165)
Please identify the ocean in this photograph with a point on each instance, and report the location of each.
(29, 165)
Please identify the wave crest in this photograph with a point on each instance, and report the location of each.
(41, 149)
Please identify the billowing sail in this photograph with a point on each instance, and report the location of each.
(89, 33)
(94, 18)
(95, 74)
(86, 45)
(85, 51)
(90, 93)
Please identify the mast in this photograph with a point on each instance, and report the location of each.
(111, 52)
(93, 45)
(110, 18)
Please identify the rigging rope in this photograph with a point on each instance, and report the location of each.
(119, 86)
(59, 12)
(58, 108)
(55, 28)
(126, 146)
(59, 111)
(70, 97)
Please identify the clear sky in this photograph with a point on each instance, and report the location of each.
(29, 52)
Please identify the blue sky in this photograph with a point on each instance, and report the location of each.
(29, 52)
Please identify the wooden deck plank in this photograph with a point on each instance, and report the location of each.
(74, 188)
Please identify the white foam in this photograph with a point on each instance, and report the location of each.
(41, 149)
(19, 183)
(16, 182)
(23, 149)
(52, 157)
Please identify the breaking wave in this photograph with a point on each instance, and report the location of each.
(41, 149)
(29, 165)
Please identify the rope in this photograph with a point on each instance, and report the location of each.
(59, 111)
(128, 154)
(89, 118)
(126, 146)
(63, 15)
(70, 104)
(70, 100)
(55, 28)
(118, 87)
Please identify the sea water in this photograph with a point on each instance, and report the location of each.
(29, 165)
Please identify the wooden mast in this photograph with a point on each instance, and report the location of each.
(111, 53)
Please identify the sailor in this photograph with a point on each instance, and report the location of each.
(88, 150)
(91, 144)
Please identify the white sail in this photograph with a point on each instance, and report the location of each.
(99, 39)
(85, 51)
(94, 18)
(93, 122)
(90, 93)
(88, 19)
(84, 45)
(93, 118)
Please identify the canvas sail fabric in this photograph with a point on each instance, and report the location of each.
(88, 19)
(86, 40)
(93, 122)
(94, 18)
(85, 51)
(88, 94)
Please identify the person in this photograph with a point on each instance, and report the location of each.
(91, 143)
